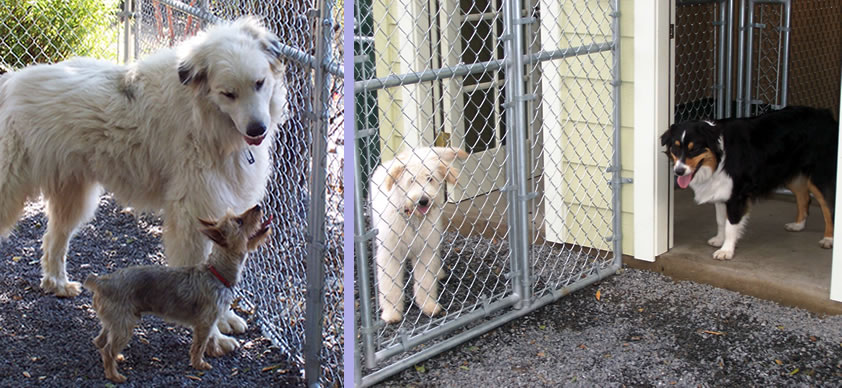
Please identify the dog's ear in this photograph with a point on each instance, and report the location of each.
(206, 222)
(216, 236)
(450, 154)
(191, 73)
(393, 175)
(665, 138)
(268, 41)
(449, 173)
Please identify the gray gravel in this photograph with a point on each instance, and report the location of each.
(46, 341)
(646, 330)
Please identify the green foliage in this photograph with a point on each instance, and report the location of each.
(43, 31)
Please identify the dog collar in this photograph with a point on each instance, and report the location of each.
(218, 276)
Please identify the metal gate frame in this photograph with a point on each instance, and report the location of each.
(745, 83)
(520, 301)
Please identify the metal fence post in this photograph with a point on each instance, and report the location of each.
(316, 217)
(516, 147)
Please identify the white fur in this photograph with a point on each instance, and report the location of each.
(733, 232)
(70, 128)
(721, 220)
(712, 186)
(795, 226)
(404, 234)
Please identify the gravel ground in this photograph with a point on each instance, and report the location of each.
(46, 341)
(646, 330)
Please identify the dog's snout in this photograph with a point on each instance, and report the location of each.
(424, 202)
(256, 207)
(680, 170)
(256, 129)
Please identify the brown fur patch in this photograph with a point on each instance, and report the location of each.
(706, 158)
(678, 143)
(690, 145)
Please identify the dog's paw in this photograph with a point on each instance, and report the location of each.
(723, 254)
(201, 364)
(431, 309)
(61, 287)
(120, 358)
(795, 226)
(219, 345)
(826, 242)
(231, 323)
(391, 316)
(116, 377)
(716, 241)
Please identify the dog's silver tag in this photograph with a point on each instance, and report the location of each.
(249, 156)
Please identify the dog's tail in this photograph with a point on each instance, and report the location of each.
(91, 282)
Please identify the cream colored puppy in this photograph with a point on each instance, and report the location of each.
(407, 194)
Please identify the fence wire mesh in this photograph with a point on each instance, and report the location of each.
(696, 45)
(274, 288)
(815, 57)
(452, 243)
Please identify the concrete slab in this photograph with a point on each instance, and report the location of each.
(769, 263)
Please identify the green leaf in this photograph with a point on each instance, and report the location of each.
(420, 368)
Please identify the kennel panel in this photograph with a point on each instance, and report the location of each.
(529, 89)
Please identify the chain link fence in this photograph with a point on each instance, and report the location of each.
(305, 190)
(786, 53)
(519, 206)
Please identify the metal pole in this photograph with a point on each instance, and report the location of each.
(748, 53)
(517, 194)
(616, 178)
(720, 68)
(785, 70)
(361, 260)
(741, 54)
(729, 52)
(316, 218)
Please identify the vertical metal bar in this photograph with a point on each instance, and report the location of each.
(361, 260)
(138, 21)
(518, 227)
(616, 179)
(741, 54)
(785, 70)
(720, 67)
(749, 40)
(729, 52)
(316, 217)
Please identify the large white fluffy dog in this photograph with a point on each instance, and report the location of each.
(406, 199)
(186, 130)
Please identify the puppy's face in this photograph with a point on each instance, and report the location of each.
(238, 68)
(420, 177)
(694, 149)
(239, 233)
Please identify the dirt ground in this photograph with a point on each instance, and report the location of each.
(645, 330)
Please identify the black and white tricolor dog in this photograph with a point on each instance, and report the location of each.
(733, 162)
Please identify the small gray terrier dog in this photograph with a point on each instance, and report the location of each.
(191, 296)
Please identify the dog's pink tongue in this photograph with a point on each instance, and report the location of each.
(423, 209)
(684, 180)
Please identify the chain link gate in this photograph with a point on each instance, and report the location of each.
(529, 89)
(300, 270)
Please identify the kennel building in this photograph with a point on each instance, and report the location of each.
(293, 286)
(738, 58)
(559, 104)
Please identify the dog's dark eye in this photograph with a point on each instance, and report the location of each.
(259, 84)
(430, 178)
(231, 96)
(239, 221)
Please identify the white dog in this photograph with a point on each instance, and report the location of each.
(406, 198)
(186, 130)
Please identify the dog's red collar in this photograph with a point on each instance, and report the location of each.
(218, 276)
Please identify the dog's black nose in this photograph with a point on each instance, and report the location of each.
(256, 129)
(679, 171)
(424, 202)
(257, 207)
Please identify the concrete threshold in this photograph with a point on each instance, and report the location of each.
(770, 263)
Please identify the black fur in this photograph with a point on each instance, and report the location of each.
(765, 152)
